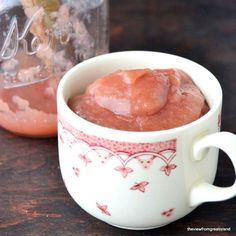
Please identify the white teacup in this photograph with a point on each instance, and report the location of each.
(141, 180)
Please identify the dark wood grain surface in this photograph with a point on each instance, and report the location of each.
(33, 199)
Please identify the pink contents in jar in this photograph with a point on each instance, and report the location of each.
(39, 41)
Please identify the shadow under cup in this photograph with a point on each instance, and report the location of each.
(135, 180)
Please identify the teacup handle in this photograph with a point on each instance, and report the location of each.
(205, 192)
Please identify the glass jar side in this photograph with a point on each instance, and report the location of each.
(42, 40)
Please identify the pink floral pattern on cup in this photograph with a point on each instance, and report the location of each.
(103, 209)
(141, 186)
(168, 213)
(125, 152)
(129, 156)
(76, 171)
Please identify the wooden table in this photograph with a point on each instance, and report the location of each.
(33, 199)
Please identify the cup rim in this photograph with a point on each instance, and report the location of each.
(73, 119)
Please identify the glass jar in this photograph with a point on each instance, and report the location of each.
(39, 41)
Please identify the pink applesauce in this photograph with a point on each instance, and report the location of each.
(141, 100)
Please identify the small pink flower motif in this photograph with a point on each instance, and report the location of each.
(140, 186)
(124, 170)
(146, 163)
(61, 139)
(106, 158)
(76, 171)
(103, 209)
(168, 168)
(168, 213)
(85, 159)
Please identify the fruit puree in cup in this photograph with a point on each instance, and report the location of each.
(141, 100)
